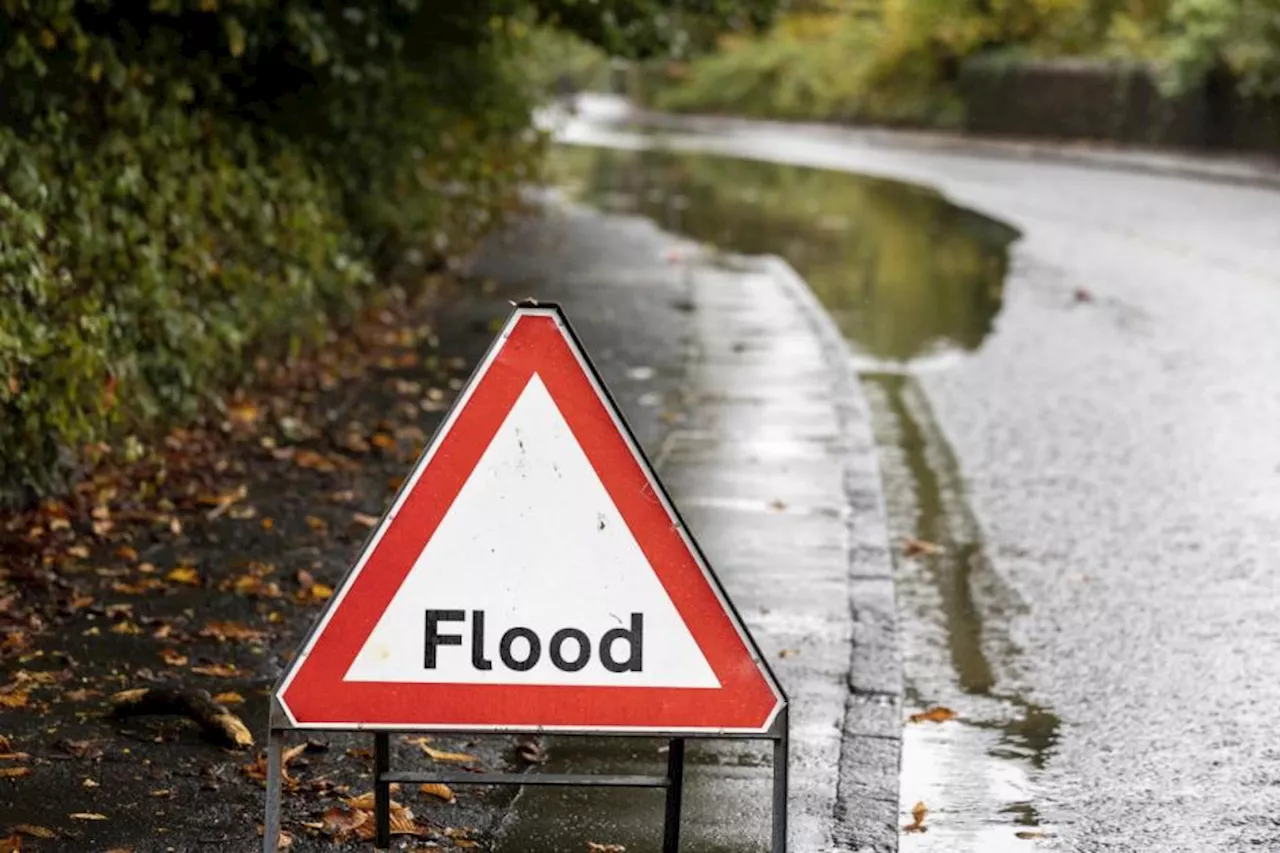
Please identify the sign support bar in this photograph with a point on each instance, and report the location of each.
(673, 782)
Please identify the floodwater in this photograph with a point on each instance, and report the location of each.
(914, 282)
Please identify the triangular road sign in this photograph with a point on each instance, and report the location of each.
(531, 575)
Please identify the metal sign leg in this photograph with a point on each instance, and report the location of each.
(275, 772)
(781, 750)
(675, 793)
(381, 791)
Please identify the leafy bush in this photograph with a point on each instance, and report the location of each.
(897, 60)
(186, 184)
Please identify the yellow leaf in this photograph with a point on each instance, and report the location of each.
(229, 698)
(184, 575)
(87, 816)
(441, 755)
(439, 789)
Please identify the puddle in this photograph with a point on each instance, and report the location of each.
(906, 274)
(914, 283)
(977, 774)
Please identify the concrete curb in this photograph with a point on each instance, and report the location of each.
(867, 800)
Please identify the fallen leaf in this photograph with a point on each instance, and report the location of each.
(918, 811)
(938, 714)
(597, 847)
(440, 790)
(364, 520)
(916, 547)
(530, 753)
(173, 657)
(34, 831)
(87, 816)
(317, 525)
(126, 627)
(220, 670)
(184, 575)
(383, 441)
(313, 460)
(14, 772)
(90, 783)
(1028, 834)
(230, 631)
(229, 698)
(441, 755)
(788, 653)
(14, 699)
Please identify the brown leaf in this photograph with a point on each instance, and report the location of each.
(383, 441)
(219, 670)
(341, 822)
(231, 631)
(14, 699)
(317, 525)
(14, 772)
(440, 790)
(918, 811)
(938, 714)
(917, 547)
(34, 831)
(142, 587)
(313, 460)
(173, 657)
(126, 627)
(229, 698)
(1028, 834)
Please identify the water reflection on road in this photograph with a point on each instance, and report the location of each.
(912, 280)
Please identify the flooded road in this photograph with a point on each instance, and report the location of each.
(913, 282)
(1090, 454)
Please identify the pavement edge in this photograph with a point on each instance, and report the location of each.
(866, 816)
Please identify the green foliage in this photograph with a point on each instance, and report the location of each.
(1242, 36)
(897, 60)
(643, 28)
(186, 185)
(554, 56)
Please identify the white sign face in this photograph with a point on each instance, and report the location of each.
(533, 577)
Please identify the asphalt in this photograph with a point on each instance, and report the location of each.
(1107, 459)
(738, 385)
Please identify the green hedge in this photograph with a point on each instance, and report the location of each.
(188, 184)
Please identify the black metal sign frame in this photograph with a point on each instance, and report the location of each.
(673, 781)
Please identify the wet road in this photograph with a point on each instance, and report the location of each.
(1084, 422)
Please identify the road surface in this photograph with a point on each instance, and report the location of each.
(1101, 473)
